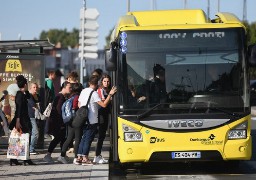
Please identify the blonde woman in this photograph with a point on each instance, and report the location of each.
(33, 104)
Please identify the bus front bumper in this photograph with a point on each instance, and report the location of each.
(232, 150)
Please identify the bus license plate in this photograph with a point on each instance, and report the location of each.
(181, 155)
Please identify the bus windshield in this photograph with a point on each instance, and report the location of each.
(183, 71)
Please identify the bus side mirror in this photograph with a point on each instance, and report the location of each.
(111, 57)
(252, 55)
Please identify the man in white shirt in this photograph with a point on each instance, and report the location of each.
(91, 128)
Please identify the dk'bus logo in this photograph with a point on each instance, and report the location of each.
(13, 65)
(156, 139)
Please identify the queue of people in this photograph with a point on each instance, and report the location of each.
(28, 103)
(84, 135)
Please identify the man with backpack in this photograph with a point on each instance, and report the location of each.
(91, 128)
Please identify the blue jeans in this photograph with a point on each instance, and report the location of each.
(34, 134)
(87, 138)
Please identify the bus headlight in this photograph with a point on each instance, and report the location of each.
(131, 134)
(238, 132)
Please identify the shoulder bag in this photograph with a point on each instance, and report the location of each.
(81, 117)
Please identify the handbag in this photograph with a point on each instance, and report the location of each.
(81, 117)
(18, 145)
(47, 111)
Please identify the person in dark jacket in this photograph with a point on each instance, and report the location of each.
(158, 92)
(21, 119)
(72, 132)
(49, 95)
(57, 127)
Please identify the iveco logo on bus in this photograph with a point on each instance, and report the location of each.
(185, 123)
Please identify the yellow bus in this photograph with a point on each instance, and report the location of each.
(183, 87)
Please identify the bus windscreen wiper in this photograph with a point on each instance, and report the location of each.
(146, 113)
(225, 111)
(215, 109)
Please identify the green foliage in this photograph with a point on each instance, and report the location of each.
(251, 32)
(107, 38)
(63, 36)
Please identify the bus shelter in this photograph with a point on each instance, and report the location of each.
(23, 57)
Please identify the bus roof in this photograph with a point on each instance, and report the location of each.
(174, 19)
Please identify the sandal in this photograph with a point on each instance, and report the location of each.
(78, 161)
(87, 162)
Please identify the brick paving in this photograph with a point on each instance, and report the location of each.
(56, 170)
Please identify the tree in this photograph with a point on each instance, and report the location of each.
(107, 38)
(63, 36)
(252, 32)
(251, 39)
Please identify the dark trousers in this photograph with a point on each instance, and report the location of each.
(46, 126)
(103, 126)
(88, 135)
(72, 133)
(59, 137)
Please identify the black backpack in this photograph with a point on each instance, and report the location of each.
(81, 117)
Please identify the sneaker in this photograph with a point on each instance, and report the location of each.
(48, 158)
(52, 137)
(62, 160)
(33, 152)
(67, 158)
(77, 161)
(99, 160)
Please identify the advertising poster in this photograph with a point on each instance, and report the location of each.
(30, 66)
(11, 65)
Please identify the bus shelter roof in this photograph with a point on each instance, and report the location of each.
(20, 44)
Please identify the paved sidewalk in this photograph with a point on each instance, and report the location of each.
(53, 171)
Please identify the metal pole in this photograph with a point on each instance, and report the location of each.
(128, 5)
(208, 8)
(244, 10)
(218, 5)
(153, 4)
(82, 45)
(185, 4)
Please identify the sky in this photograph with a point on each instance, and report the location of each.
(26, 19)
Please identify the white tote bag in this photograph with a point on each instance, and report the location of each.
(18, 147)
